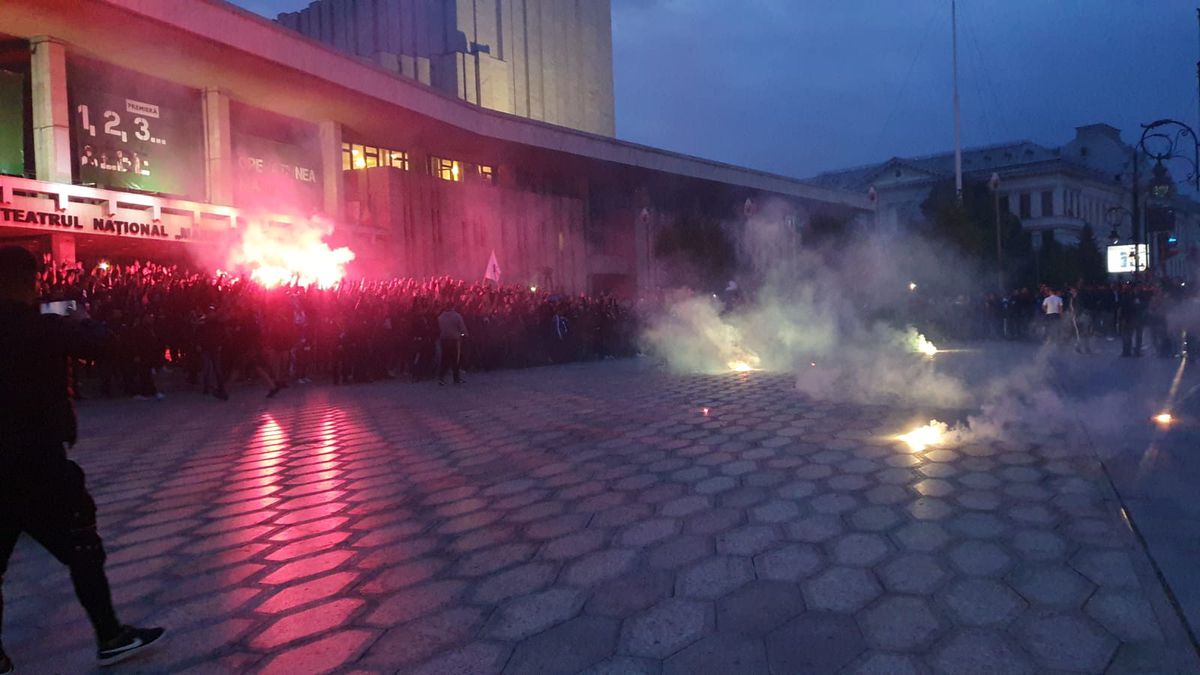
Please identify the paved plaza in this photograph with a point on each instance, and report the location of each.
(599, 518)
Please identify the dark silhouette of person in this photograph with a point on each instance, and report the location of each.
(42, 493)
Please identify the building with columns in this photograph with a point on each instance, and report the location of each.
(131, 128)
(1054, 191)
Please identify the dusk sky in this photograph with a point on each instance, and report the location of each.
(803, 86)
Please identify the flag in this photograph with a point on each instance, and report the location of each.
(493, 269)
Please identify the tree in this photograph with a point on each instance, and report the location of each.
(1093, 269)
(970, 227)
(826, 229)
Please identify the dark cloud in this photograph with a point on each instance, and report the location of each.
(801, 86)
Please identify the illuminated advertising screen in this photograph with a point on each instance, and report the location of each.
(1121, 258)
(12, 123)
(277, 161)
(133, 132)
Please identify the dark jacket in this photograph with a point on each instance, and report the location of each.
(36, 413)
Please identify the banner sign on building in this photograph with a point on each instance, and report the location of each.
(277, 161)
(132, 132)
(1121, 258)
(12, 123)
(274, 175)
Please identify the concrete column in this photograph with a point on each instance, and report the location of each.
(62, 248)
(330, 137)
(218, 148)
(51, 115)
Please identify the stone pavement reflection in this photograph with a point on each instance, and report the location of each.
(592, 518)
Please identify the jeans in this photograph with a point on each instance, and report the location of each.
(450, 358)
(52, 505)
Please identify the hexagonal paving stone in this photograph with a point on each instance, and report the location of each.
(711, 521)
(1126, 614)
(982, 602)
(599, 566)
(748, 540)
(880, 663)
(574, 544)
(815, 643)
(873, 518)
(775, 511)
(531, 614)
(665, 628)
(933, 487)
(647, 532)
(832, 503)
(929, 508)
(566, 648)
(841, 589)
(685, 506)
(719, 654)
(797, 489)
(921, 536)
(680, 550)
(919, 573)
(1039, 545)
(788, 563)
(1033, 514)
(631, 593)
(980, 651)
(758, 607)
(858, 549)
(714, 577)
(1053, 586)
(515, 581)
(814, 529)
(980, 558)
(901, 624)
(716, 485)
(1112, 569)
(1068, 642)
(977, 525)
(624, 665)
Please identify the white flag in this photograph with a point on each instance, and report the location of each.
(493, 269)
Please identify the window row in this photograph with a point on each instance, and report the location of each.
(357, 156)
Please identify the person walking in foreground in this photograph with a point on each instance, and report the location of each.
(42, 493)
(452, 329)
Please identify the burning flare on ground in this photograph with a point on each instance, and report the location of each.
(744, 362)
(932, 434)
(290, 254)
(924, 346)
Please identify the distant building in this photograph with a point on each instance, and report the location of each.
(1053, 191)
(548, 60)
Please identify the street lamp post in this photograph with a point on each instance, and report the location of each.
(1115, 217)
(994, 184)
(1163, 140)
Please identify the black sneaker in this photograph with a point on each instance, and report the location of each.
(6, 665)
(128, 642)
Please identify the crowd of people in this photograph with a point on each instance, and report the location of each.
(1137, 313)
(221, 328)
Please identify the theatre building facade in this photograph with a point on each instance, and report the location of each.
(147, 129)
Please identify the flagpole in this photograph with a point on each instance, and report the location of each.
(958, 177)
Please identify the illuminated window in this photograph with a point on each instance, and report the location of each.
(446, 169)
(486, 173)
(356, 156)
(396, 158)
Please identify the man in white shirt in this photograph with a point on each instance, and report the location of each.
(1052, 308)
